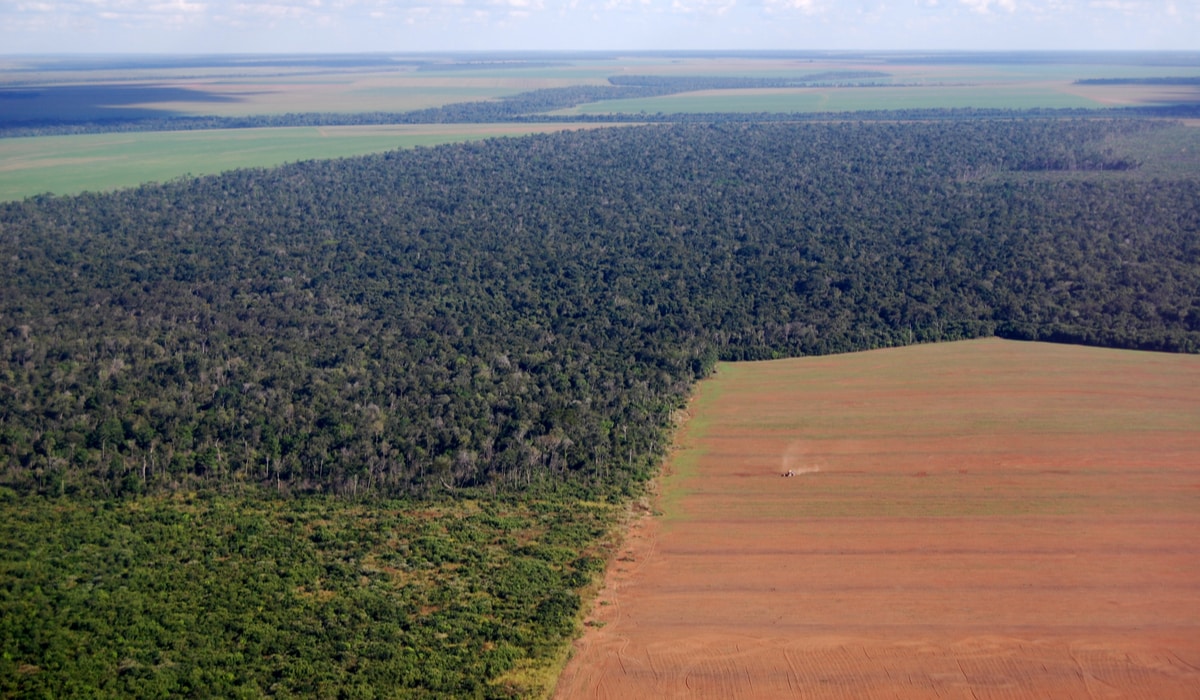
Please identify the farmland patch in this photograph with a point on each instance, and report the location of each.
(987, 518)
(101, 162)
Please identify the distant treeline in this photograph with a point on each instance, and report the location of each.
(487, 113)
(53, 63)
(434, 66)
(1188, 59)
(533, 310)
(1178, 80)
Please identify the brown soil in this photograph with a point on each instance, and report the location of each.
(987, 519)
(1135, 94)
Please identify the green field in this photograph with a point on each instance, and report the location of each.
(101, 162)
(254, 97)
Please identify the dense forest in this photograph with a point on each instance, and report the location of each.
(523, 311)
(1170, 80)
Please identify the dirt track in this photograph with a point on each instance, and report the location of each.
(988, 519)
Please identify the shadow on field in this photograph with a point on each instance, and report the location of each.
(66, 104)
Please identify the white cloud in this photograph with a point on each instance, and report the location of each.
(273, 10)
(985, 6)
(709, 7)
(1117, 5)
(807, 7)
(177, 6)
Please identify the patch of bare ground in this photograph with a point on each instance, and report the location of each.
(986, 519)
(1120, 95)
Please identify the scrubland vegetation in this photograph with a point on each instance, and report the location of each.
(246, 597)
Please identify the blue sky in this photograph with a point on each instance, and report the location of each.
(240, 26)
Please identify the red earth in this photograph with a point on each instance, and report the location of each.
(984, 519)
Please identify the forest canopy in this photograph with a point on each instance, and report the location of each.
(532, 310)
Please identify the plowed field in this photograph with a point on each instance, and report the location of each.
(986, 519)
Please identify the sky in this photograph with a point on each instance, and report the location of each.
(349, 26)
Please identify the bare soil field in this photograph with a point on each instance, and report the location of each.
(1121, 95)
(388, 92)
(985, 519)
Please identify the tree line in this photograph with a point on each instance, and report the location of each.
(1168, 80)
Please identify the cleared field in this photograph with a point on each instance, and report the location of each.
(986, 519)
(100, 162)
(250, 88)
(915, 85)
(372, 93)
(224, 92)
(1121, 95)
(847, 100)
(246, 98)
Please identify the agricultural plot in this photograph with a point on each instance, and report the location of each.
(243, 91)
(102, 162)
(912, 82)
(847, 99)
(985, 519)
(363, 94)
